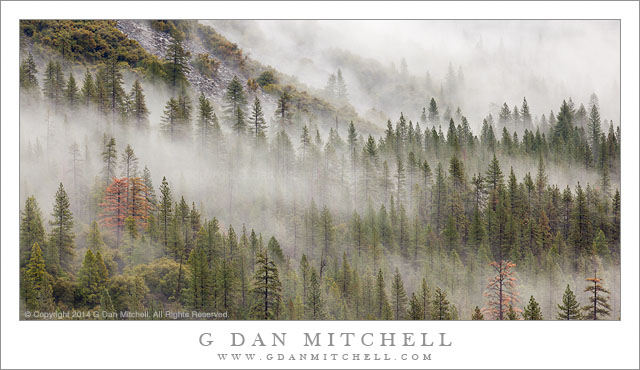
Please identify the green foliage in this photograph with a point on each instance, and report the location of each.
(570, 308)
(87, 41)
(532, 310)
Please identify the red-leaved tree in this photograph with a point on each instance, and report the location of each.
(115, 207)
(501, 291)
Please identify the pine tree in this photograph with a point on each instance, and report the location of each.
(71, 93)
(31, 229)
(38, 291)
(399, 296)
(283, 109)
(266, 288)
(115, 207)
(441, 306)
(200, 279)
(434, 117)
(61, 238)
(109, 158)
(177, 64)
(114, 91)
(53, 83)
(477, 314)
(570, 308)
(165, 210)
(234, 106)
(341, 89)
(258, 124)
(94, 238)
(532, 311)
(599, 303)
(139, 110)
(501, 290)
(380, 296)
(425, 300)
(170, 121)
(314, 305)
(88, 90)
(28, 75)
(92, 278)
(415, 311)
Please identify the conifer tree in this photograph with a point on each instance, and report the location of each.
(283, 109)
(234, 106)
(258, 124)
(71, 93)
(314, 304)
(501, 290)
(31, 229)
(415, 311)
(477, 314)
(28, 75)
(94, 238)
(266, 288)
(114, 91)
(39, 293)
(434, 117)
(171, 118)
(399, 296)
(61, 238)
(115, 207)
(139, 111)
(532, 310)
(109, 158)
(165, 210)
(570, 308)
(92, 278)
(88, 90)
(441, 306)
(425, 300)
(599, 306)
(177, 64)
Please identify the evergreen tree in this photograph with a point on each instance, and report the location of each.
(415, 311)
(532, 311)
(31, 229)
(599, 306)
(38, 290)
(109, 158)
(258, 124)
(71, 93)
(94, 238)
(341, 88)
(441, 306)
(283, 109)
(113, 82)
(61, 238)
(399, 296)
(314, 305)
(570, 308)
(434, 117)
(88, 90)
(234, 106)
(28, 75)
(177, 64)
(165, 210)
(266, 288)
(139, 111)
(170, 120)
(477, 314)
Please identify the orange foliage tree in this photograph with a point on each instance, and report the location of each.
(501, 291)
(123, 198)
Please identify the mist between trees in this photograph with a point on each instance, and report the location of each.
(178, 202)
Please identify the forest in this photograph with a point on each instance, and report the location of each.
(143, 192)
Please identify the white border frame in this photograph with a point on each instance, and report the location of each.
(28, 344)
